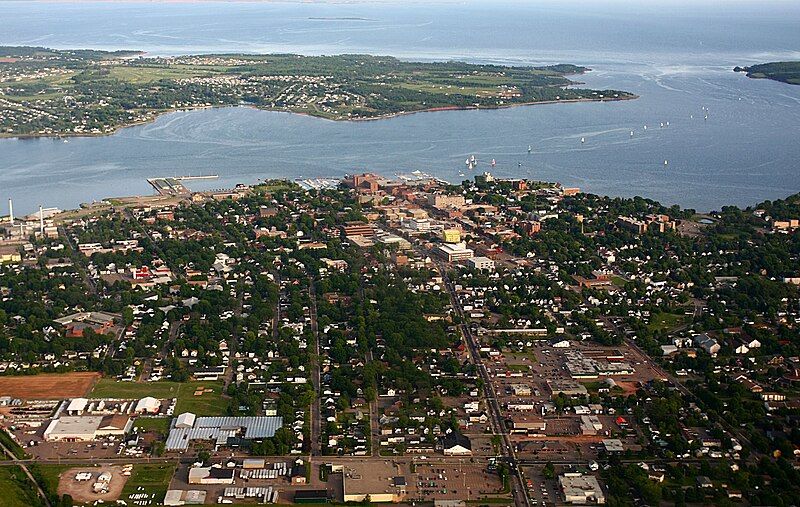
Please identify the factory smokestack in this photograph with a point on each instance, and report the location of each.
(41, 221)
(11, 211)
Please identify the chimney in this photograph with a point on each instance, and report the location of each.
(41, 221)
(11, 211)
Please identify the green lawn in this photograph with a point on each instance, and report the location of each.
(154, 478)
(47, 476)
(157, 424)
(667, 321)
(210, 403)
(17, 490)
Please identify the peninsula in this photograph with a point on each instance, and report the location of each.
(45, 92)
(785, 72)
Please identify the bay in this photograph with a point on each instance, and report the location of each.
(677, 57)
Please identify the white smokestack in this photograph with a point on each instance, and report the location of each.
(11, 211)
(41, 220)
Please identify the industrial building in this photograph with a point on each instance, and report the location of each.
(211, 475)
(85, 428)
(185, 497)
(223, 431)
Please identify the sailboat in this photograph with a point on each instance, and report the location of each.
(645, 127)
(529, 148)
(665, 162)
(631, 133)
(583, 140)
(493, 163)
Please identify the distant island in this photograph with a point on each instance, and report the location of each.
(46, 92)
(785, 72)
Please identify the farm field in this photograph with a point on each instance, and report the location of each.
(48, 386)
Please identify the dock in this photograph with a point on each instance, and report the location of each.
(173, 185)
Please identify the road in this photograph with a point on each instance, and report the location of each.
(518, 489)
(316, 378)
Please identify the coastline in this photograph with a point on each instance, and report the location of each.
(372, 118)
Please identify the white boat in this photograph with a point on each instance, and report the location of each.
(665, 162)
(529, 148)
(493, 163)
(645, 127)
(631, 133)
(583, 140)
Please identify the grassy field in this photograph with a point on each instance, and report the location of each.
(157, 424)
(47, 476)
(667, 321)
(152, 479)
(209, 403)
(17, 490)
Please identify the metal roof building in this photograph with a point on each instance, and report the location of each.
(220, 429)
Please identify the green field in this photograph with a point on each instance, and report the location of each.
(16, 489)
(154, 479)
(47, 476)
(157, 424)
(210, 403)
(667, 321)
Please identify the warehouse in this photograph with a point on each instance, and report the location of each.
(210, 475)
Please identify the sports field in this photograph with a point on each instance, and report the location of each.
(48, 386)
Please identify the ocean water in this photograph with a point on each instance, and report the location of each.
(676, 56)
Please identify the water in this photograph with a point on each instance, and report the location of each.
(678, 60)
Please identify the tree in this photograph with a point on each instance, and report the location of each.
(204, 456)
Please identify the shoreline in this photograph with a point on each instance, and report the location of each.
(23, 137)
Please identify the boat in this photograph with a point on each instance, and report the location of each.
(662, 124)
(665, 162)
(493, 163)
(667, 124)
(519, 164)
(645, 127)
(583, 140)
(631, 133)
(529, 148)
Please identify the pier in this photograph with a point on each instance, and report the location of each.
(173, 185)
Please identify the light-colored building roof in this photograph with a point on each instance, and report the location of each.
(79, 427)
(77, 405)
(148, 404)
(185, 420)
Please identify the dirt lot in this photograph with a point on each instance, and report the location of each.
(82, 491)
(48, 386)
